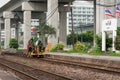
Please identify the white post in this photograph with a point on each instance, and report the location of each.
(113, 41)
(103, 41)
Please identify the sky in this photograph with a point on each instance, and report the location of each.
(2, 2)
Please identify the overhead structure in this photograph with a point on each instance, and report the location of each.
(25, 10)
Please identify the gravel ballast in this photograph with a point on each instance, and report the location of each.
(73, 72)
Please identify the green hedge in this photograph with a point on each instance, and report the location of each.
(13, 43)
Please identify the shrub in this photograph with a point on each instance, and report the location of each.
(83, 37)
(117, 43)
(79, 46)
(2, 43)
(88, 36)
(13, 43)
(99, 42)
(58, 46)
(118, 31)
(54, 49)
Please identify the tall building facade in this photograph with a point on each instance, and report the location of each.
(83, 16)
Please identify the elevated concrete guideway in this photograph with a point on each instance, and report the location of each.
(35, 9)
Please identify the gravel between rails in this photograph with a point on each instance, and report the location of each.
(76, 73)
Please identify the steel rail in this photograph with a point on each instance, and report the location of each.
(20, 72)
(34, 78)
(82, 64)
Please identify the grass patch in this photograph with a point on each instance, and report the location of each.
(114, 54)
(20, 50)
(97, 54)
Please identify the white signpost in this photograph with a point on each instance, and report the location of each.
(111, 26)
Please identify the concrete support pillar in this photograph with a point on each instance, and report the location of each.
(7, 33)
(27, 27)
(63, 28)
(52, 19)
(0, 35)
(1, 22)
(7, 15)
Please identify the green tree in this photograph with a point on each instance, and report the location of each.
(118, 31)
(117, 41)
(84, 37)
(45, 29)
(13, 43)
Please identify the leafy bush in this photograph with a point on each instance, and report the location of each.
(54, 49)
(13, 43)
(99, 42)
(70, 38)
(88, 36)
(57, 47)
(108, 43)
(2, 43)
(117, 43)
(84, 37)
(79, 46)
(118, 31)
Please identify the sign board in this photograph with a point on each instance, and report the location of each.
(109, 25)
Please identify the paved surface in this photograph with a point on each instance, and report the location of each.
(86, 56)
(107, 61)
(4, 75)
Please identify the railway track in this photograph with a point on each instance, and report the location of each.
(77, 65)
(29, 73)
(82, 64)
(85, 65)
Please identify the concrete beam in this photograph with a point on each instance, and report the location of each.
(11, 6)
(8, 14)
(34, 6)
(39, 15)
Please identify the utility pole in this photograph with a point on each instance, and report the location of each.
(81, 33)
(72, 32)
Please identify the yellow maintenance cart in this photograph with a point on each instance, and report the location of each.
(38, 52)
